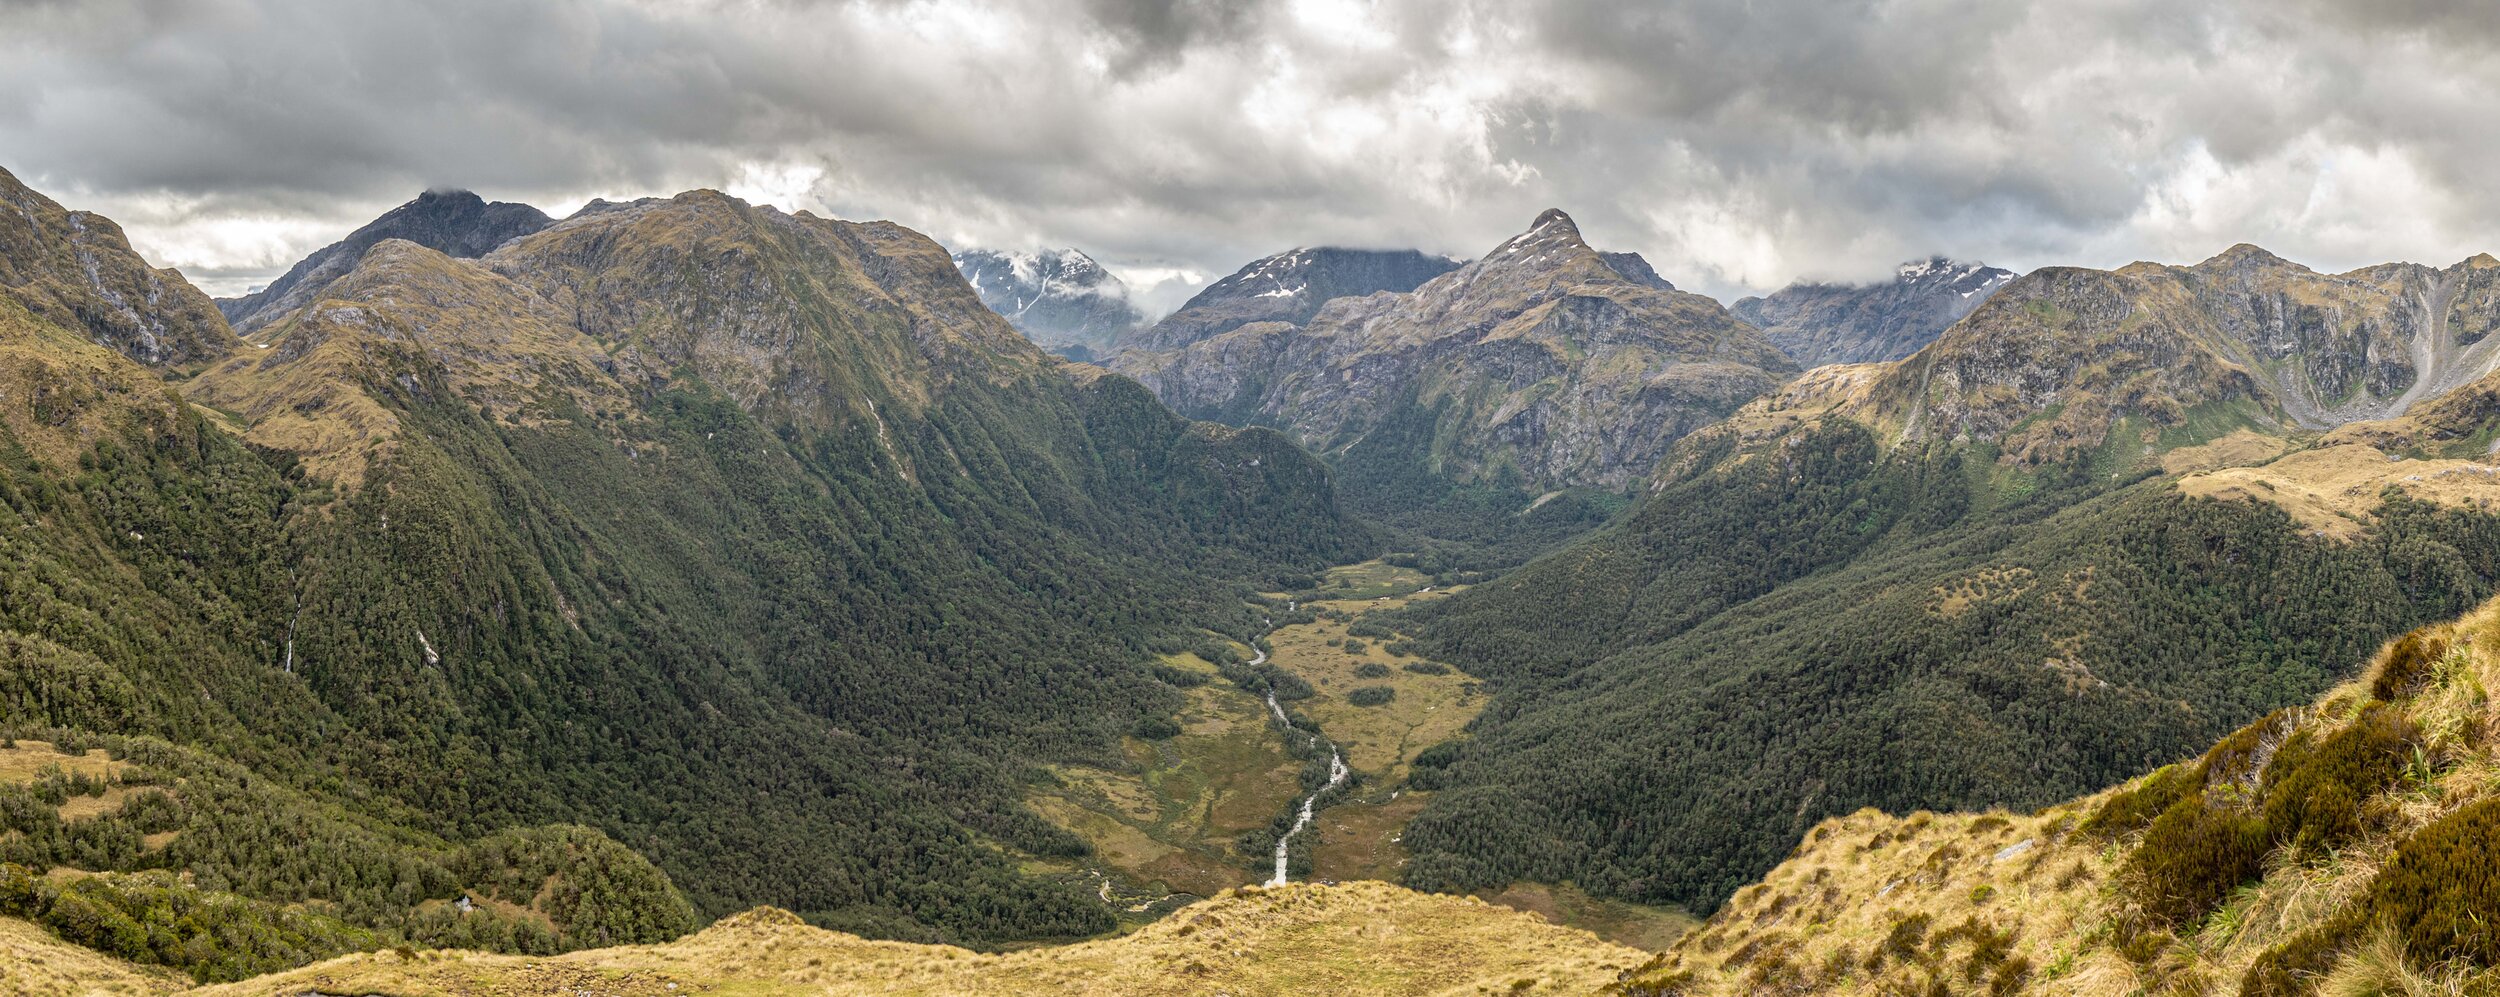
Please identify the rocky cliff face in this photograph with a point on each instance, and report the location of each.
(1541, 364)
(1291, 287)
(455, 223)
(75, 270)
(1058, 298)
(1817, 324)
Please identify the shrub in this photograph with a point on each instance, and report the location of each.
(2441, 889)
(1368, 628)
(1426, 667)
(2241, 756)
(1179, 678)
(1371, 670)
(2410, 663)
(1353, 646)
(2132, 809)
(1158, 728)
(2315, 788)
(2193, 856)
(1399, 648)
(1372, 695)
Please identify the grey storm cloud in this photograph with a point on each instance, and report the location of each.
(1738, 143)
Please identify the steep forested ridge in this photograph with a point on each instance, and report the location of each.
(750, 540)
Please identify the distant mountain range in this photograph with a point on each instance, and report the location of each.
(500, 582)
(1060, 299)
(1817, 324)
(1542, 364)
(1288, 287)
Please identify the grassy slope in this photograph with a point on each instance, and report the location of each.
(33, 963)
(1365, 938)
(2067, 900)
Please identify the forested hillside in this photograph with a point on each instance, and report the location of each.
(1857, 594)
(747, 540)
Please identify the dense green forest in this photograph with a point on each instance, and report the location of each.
(1458, 530)
(800, 661)
(1830, 625)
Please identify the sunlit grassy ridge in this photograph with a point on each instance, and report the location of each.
(1364, 938)
(2344, 847)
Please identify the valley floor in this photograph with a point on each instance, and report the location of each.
(1164, 827)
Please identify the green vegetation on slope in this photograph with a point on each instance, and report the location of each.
(2340, 846)
(796, 647)
(1825, 625)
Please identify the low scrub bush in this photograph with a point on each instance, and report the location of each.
(2315, 788)
(2134, 808)
(2442, 890)
(2193, 856)
(1371, 695)
(2410, 664)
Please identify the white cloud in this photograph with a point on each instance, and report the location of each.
(1737, 143)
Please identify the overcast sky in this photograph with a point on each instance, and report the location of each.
(1739, 144)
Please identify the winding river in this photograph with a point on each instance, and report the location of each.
(1337, 774)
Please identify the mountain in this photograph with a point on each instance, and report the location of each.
(2085, 530)
(1538, 366)
(74, 271)
(2066, 360)
(1288, 287)
(1817, 324)
(740, 557)
(452, 222)
(2337, 846)
(1059, 298)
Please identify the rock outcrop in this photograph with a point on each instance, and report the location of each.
(75, 270)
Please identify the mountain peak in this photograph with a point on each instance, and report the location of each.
(1553, 217)
(450, 221)
(1825, 323)
(1059, 298)
(1289, 287)
(2247, 255)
